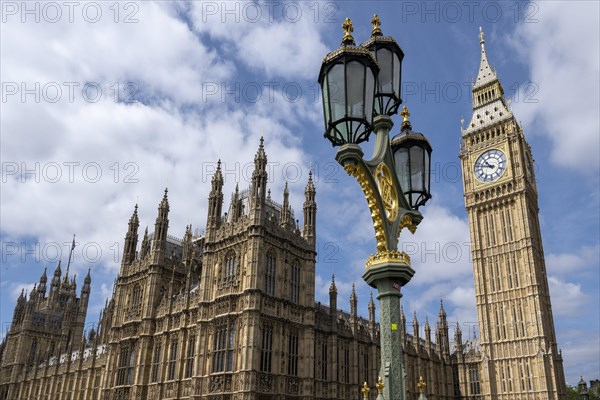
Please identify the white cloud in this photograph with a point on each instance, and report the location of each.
(567, 298)
(568, 263)
(562, 54)
(440, 249)
(280, 43)
(580, 349)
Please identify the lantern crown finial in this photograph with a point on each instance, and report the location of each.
(348, 29)
(405, 114)
(376, 22)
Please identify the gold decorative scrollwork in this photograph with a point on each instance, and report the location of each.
(407, 222)
(357, 171)
(387, 190)
(388, 256)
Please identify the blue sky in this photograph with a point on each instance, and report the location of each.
(106, 104)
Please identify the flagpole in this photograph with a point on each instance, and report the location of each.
(70, 254)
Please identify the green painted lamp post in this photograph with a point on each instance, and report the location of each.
(361, 91)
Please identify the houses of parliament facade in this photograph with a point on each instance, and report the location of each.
(231, 314)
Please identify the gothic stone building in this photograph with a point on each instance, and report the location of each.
(230, 314)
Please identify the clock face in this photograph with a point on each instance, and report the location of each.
(490, 165)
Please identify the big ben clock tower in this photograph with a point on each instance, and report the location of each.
(519, 354)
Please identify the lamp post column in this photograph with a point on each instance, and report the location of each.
(388, 275)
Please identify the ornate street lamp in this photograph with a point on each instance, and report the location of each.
(348, 90)
(412, 155)
(347, 80)
(389, 57)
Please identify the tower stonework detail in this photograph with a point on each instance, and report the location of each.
(518, 354)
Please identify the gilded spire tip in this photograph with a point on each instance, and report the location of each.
(348, 29)
(405, 114)
(376, 22)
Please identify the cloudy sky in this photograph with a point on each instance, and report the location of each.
(106, 104)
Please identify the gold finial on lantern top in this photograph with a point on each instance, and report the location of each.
(380, 385)
(421, 385)
(348, 29)
(365, 390)
(405, 114)
(376, 22)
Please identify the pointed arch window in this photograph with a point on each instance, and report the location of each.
(137, 295)
(293, 353)
(156, 363)
(223, 345)
(126, 365)
(230, 266)
(295, 283)
(267, 348)
(189, 366)
(270, 264)
(173, 359)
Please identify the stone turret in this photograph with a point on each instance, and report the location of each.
(161, 228)
(310, 211)
(131, 238)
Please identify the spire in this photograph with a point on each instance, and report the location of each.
(486, 74)
(333, 299)
(42, 287)
(164, 203)
(444, 340)
(58, 271)
(489, 105)
(310, 211)
(415, 324)
(145, 244)
(416, 338)
(131, 238)
(215, 202)
(161, 227)
(217, 179)
(371, 308)
(87, 283)
(187, 244)
(33, 294)
(427, 333)
(259, 176)
(285, 208)
(353, 302)
(332, 287)
(55, 284)
(458, 338)
(235, 208)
